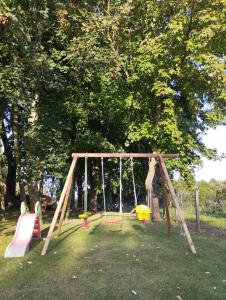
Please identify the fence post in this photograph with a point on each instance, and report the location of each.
(197, 209)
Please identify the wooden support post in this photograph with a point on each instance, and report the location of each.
(67, 196)
(197, 209)
(52, 226)
(166, 203)
(169, 183)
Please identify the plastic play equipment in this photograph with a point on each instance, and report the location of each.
(143, 212)
(23, 208)
(28, 228)
(165, 178)
(85, 216)
(38, 211)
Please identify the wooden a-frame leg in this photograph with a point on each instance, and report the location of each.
(169, 183)
(65, 204)
(166, 203)
(60, 203)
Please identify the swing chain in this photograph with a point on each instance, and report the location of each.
(120, 186)
(85, 186)
(103, 184)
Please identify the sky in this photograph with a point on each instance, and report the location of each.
(215, 138)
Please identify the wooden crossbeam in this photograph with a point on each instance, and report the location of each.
(124, 155)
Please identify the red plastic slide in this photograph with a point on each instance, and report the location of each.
(28, 226)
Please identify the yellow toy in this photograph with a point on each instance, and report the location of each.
(143, 212)
(85, 216)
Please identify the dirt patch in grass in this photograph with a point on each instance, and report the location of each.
(207, 229)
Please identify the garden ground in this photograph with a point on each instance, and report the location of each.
(135, 261)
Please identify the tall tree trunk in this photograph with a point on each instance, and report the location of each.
(71, 200)
(2, 185)
(157, 216)
(80, 190)
(73, 204)
(155, 199)
(41, 187)
(149, 185)
(35, 176)
(94, 181)
(10, 196)
(2, 199)
(17, 154)
(34, 195)
(52, 187)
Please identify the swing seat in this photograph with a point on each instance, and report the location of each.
(143, 212)
(85, 216)
(143, 217)
(112, 219)
(113, 222)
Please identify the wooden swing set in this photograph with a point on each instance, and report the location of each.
(165, 179)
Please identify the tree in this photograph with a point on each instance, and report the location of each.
(109, 76)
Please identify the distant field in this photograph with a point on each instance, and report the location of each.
(216, 220)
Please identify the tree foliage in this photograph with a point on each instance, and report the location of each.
(212, 195)
(109, 76)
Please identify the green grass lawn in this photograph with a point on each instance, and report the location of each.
(135, 261)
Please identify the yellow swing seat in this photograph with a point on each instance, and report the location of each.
(143, 212)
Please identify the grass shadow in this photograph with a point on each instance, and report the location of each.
(8, 233)
(59, 241)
